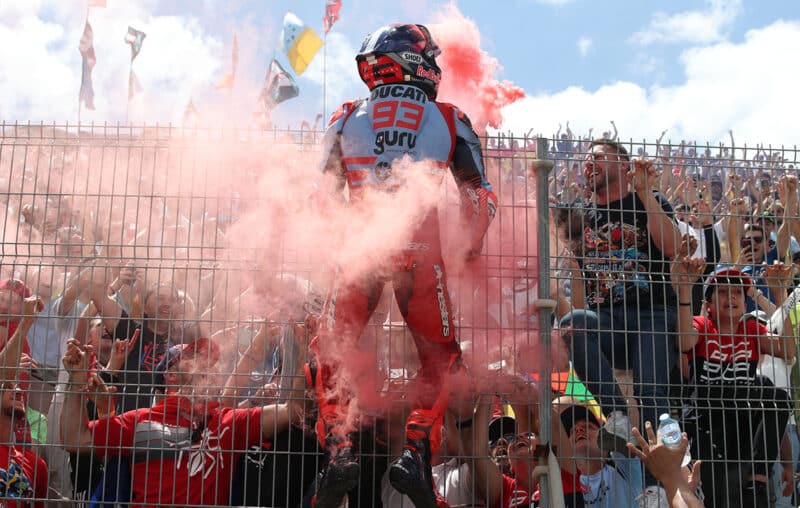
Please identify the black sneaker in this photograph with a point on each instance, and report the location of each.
(338, 478)
(411, 475)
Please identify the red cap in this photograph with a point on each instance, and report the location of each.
(16, 286)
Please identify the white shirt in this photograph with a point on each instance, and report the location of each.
(453, 482)
(50, 331)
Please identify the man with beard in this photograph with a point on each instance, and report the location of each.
(630, 306)
(23, 473)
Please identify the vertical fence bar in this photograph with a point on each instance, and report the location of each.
(545, 305)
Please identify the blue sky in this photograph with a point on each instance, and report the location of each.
(695, 68)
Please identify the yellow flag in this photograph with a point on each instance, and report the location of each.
(299, 42)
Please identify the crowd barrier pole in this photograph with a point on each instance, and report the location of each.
(545, 305)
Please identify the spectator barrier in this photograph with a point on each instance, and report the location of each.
(220, 246)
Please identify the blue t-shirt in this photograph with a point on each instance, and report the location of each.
(618, 485)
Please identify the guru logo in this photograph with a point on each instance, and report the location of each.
(394, 138)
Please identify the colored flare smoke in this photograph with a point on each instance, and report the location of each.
(468, 72)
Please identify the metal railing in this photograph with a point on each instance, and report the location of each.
(236, 223)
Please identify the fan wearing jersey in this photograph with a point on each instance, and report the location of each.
(741, 416)
(368, 148)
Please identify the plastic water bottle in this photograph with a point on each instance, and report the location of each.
(669, 433)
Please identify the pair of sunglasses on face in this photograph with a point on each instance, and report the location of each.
(515, 439)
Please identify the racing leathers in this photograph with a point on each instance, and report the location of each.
(366, 141)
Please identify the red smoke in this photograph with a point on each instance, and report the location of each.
(468, 72)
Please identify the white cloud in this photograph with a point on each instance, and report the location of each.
(41, 80)
(340, 63)
(554, 3)
(584, 45)
(701, 26)
(722, 91)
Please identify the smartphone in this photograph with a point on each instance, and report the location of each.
(746, 243)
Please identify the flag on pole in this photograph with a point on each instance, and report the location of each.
(86, 48)
(134, 87)
(278, 86)
(190, 115)
(299, 42)
(97, 3)
(332, 8)
(134, 38)
(229, 78)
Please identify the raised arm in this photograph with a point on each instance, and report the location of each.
(252, 358)
(488, 478)
(82, 329)
(663, 230)
(10, 355)
(685, 272)
(665, 464)
(778, 278)
(75, 432)
(713, 250)
(277, 417)
(92, 279)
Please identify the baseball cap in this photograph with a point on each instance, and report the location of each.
(724, 275)
(574, 414)
(503, 421)
(501, 426)
(16, 286)
(202, 347)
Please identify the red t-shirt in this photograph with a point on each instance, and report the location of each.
(23, 475)
(513, 495)
(170, 465)
(22, 431)
(726, 359)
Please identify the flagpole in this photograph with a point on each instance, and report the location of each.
(324, 72)
(130, 84)
(79, 92)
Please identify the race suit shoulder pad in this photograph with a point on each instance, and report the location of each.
(345, 110)
(460, 115)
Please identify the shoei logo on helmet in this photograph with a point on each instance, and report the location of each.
(431, 74)
(411, 57)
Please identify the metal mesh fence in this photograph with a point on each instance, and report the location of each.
(219, 247)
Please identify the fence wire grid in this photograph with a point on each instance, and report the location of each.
(676, 290)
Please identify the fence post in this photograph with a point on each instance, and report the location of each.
(545, 305)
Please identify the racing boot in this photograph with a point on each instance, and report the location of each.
(340, 475)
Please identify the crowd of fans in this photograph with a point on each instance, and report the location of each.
(125, 382)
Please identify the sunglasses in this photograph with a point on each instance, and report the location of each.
(518, 440)
(754, 239)
(508, 438)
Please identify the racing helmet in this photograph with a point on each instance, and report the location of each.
(400, 54)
